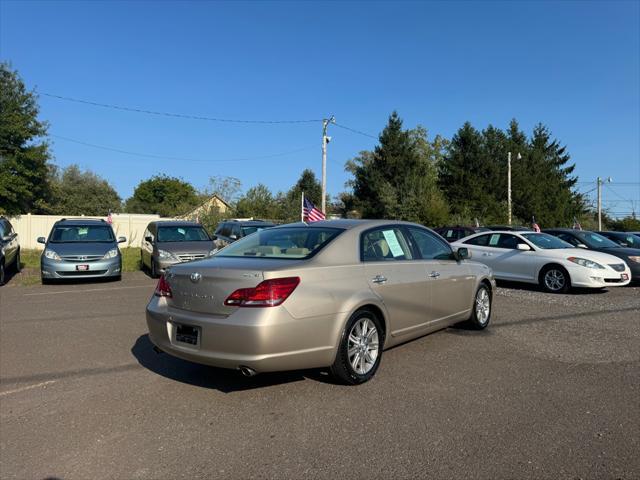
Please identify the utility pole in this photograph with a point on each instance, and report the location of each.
(325, 140)
(600, 181)
(509, 184)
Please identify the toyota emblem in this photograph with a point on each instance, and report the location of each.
(195, 277)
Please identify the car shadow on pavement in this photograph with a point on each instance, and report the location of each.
(530, 287)
(222, 379)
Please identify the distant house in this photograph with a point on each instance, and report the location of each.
(213, 203)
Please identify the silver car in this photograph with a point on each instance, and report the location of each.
(79, 248)
(328, 294)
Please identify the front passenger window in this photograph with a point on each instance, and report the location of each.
(430, 247)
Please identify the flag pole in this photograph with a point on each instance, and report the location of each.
(302, 208)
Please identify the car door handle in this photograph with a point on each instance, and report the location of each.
(379, 279)
(434, 274)
(485, 254)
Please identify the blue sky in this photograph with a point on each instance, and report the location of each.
(575, 66)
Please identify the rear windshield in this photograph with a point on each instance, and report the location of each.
(82, 233)
(291, 243)
(182, 234)
(546, 241)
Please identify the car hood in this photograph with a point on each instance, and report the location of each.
(621, 252)
(180, 248)
(593, 255)
(79, 248)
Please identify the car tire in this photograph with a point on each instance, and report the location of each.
(153, 270)
(17, 267)
(555, 279)
(354, 363)
(2, 273)
(482, 308)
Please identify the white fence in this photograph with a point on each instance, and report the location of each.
(30, 227)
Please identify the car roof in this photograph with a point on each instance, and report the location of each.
(349, 224)
(568, 230)
(80, 221)
(176, 223)
(249, 222)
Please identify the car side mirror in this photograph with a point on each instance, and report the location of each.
(523, 247)
(233, 236)
(463, 253)
(582, 245)
(148, 239)
(42, 240)
(122, 239)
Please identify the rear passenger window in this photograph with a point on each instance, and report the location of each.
(430, 247)
(387, 244)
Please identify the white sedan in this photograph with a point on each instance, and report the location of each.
(544, 259)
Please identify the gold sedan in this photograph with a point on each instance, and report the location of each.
(328, 294)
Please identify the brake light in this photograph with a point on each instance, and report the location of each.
(269, 293)
(163, 289)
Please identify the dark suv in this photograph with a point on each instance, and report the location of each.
(453, 234)
(9, 249)
(232, 230)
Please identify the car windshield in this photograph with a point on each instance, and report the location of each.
(291, 243)
(631, 240)
(253, 229)
(595, 240)
(546, 241)
(182, 234)
(82, 234)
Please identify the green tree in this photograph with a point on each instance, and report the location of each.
(163, 195)
(83, 193)
(626, 224)
(25, 174)
(290, 203)
(398, 179)
(258, 202)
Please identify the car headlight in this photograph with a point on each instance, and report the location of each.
(50, 254)
(635, 259)
(111, 253)
(163, 254)
(583, 262)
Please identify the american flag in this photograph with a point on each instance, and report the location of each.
(534, 225)
(311, 213)
(576, 224)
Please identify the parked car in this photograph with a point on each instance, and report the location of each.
(80, 248)
(231, 230)
(624, 239)
(451, 234)
(508, 228)
(596, 242)
(329, 294)
(9, 249)
(169, 242)
(546, 260)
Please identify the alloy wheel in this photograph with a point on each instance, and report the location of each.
(554, 280)
(362, 346)
(483, 306)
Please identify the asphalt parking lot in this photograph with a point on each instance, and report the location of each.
(550, 390)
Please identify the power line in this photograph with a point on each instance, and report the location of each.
(163, 157)
(355, 131)
(171, 114)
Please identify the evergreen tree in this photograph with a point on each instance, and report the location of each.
(398, 179)
(25, 174)
(290, 203)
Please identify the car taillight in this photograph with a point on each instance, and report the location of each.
(163, 289)
(269, 293)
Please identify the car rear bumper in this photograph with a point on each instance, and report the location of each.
(62, 270)
(264, 339)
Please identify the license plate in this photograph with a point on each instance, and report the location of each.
(82, 268)
(187, 334)
(624, 276)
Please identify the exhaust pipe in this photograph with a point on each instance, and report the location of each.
(248, 372)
